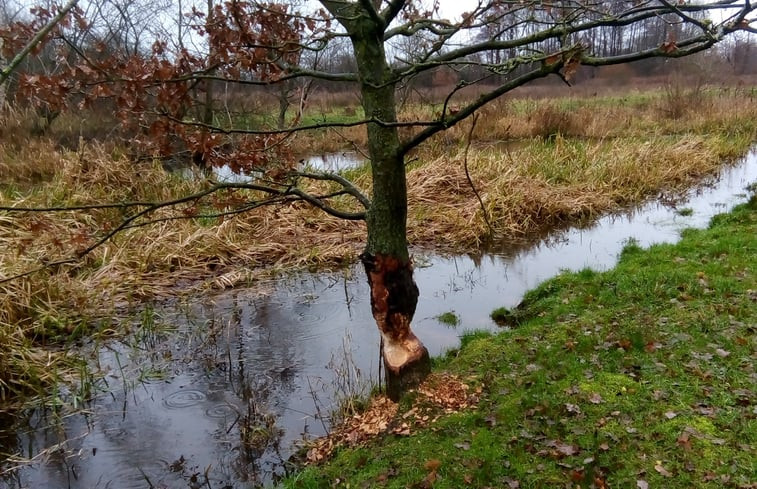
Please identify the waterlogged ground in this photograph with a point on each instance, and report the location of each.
(215, 393)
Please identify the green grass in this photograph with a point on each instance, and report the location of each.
(506, 317)
(448, 318)
(642, 373)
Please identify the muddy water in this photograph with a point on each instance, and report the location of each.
(215, 392)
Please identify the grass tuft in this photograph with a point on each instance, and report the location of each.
(449, 318)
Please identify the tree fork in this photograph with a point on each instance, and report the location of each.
(394, 297)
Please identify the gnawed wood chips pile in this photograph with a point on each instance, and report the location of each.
(440, 394)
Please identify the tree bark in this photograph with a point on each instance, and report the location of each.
(394, 294)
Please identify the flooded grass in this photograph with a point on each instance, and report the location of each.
(542, 183)
(640, 376)
(190, 372)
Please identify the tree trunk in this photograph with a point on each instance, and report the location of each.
(284, 92)
(394, 294)
(394, 297)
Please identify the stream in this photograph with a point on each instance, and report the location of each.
(217, 391)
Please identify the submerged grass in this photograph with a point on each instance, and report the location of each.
(641, 376)
(538, 183)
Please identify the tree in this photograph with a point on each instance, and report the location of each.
(506, 43)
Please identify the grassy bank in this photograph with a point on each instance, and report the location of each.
(641, 376)
(561, 168)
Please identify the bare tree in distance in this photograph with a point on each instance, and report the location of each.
(499, 45)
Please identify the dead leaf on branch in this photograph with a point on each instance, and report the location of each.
(668, 47)
(571, 68)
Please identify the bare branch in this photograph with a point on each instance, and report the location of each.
(276, 196)
(348, 186)
(482, 100)
(470, 180)
(290, 130)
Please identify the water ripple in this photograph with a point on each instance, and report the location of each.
(221, 411)
(184, 398)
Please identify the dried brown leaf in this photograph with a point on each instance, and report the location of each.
(662, 470)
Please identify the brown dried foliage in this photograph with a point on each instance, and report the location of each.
(440, 394)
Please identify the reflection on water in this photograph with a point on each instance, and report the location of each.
(327, 162)
(223, 386)
(334, 162)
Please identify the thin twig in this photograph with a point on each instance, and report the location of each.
(470, 181)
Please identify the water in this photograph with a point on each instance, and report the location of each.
(225, 385)
(327, 162)
(334, 162)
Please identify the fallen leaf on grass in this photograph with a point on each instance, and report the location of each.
(572, 408)
(567, 450)
(662, 470)
(684, 440)
(642, 484)
(705, 410)
(722, 353)
(671, 414)
(512, 483)
(402, 430)
(595, 398)
(599, 482)
(444, 392)
(385, 476)
(560, 449)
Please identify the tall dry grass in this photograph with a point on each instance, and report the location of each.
(150, 260)
(541, 185)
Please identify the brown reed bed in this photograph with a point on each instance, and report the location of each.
(547, 184)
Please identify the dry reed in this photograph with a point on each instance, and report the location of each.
(535, 187)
